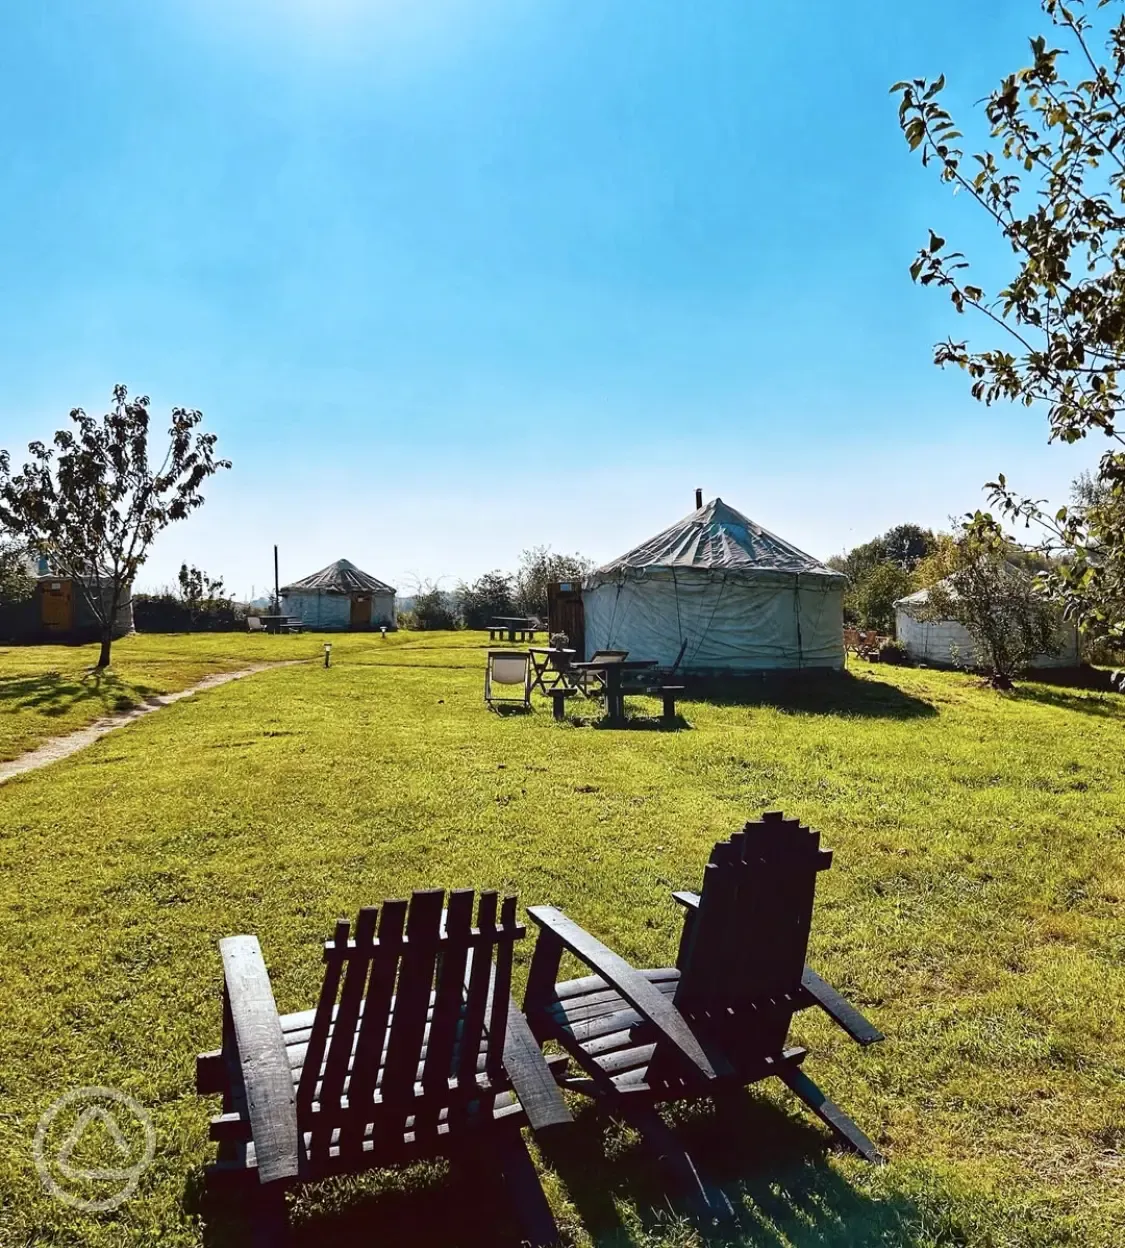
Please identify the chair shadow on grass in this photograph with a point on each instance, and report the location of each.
(819, 693)
(52, 694)
(771, 1165)
(429, 1203)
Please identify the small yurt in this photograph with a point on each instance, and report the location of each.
(63, 609)
(742, 599)
(946, 643)
(340, 596)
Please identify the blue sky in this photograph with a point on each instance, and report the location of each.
(455, 278)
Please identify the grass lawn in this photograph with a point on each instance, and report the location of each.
(49, 690)
(975, 912)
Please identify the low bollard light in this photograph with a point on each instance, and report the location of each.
(327, 654)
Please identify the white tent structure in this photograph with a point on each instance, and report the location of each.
(742, 598)
(340, 596)
(946, 643)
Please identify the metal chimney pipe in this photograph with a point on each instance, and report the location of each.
(698, 499)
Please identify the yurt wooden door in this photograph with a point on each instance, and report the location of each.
(57, 606)
(565, 613)
(361, 611)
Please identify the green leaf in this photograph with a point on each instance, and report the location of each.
(936, 243)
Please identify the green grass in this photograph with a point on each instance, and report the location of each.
(46, 691)
(974, 911)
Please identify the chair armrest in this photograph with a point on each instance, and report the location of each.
(639, 992)
(532, 1080)
(689, 901)
(271, 1102)
(839, 1010)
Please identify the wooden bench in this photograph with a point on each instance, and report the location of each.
(669, 694)
(280, 624)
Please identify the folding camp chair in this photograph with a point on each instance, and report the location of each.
(510, 668)
(717, 1020)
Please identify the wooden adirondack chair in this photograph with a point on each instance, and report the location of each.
(415, 1049)
(721, 1016)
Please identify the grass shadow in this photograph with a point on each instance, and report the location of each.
(771, 1166)
(640, 723)
(822, 693)
(51, 694)
(1107, 705)
(429, 1203)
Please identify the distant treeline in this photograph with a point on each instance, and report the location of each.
(474, 604)
(167, 613)
(198, 603)
(905, 558)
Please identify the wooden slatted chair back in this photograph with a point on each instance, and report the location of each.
(747, 941)
(408, 1032)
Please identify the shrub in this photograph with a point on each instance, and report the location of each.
(432, 611)
(892, 651)
(168, 613)
(539, 566)
(876, 592)
(487, 597)
(999, 605)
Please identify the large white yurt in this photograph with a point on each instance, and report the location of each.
(742, 598)
(946, 643)
(340, 596)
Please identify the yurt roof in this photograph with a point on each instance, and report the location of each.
(341, 577)
(716, 538)
(917, 599)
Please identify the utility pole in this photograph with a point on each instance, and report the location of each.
(276, 591)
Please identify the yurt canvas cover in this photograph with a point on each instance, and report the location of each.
(742, 598)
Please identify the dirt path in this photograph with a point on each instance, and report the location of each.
(62, 747)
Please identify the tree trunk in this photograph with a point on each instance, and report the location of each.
(103, 657)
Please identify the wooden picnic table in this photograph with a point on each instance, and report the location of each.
(545, 664)
(282, 623)
(513, 624)
(611, 673)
